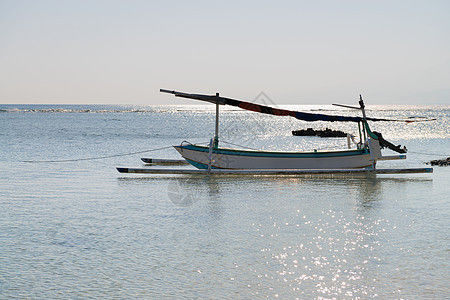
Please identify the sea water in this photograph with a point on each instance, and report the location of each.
(71, 226)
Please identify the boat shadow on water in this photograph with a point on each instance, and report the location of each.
(187, 190)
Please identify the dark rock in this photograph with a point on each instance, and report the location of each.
(322, 133)
(440, 162)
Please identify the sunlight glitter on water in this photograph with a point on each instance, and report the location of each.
(334, 259)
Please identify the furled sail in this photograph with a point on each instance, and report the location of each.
(270, 110)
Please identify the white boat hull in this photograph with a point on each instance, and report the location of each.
(227, 158)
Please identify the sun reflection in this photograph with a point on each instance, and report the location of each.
(333, 253)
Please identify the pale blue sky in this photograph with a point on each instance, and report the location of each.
(297, 52)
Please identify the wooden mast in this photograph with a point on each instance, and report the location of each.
(216, 133)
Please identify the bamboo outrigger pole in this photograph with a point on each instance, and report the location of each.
(272, 171)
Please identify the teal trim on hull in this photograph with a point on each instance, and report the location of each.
(199, 165)
(369, 132)
(255, 153)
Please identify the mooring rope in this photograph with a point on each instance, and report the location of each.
(95, 158)
(430, 154)
(163, 148)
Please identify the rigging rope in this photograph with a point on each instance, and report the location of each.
(94, 158)
(225, 142)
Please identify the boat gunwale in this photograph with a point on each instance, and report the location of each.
(276, 154)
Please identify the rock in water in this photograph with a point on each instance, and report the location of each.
(322, 133)
(440, 162)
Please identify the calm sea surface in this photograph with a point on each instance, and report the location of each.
(79, 229)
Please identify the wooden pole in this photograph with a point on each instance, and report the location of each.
(361, 104)
(216, 134)
(211, 145)
(274, 171)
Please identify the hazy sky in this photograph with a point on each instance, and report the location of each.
(297, 52)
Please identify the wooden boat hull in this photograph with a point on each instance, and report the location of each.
(227, 158)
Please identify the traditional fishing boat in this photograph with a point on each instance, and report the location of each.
(215, 159)
(365, 155)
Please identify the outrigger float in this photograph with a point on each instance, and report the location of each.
(213, 159)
